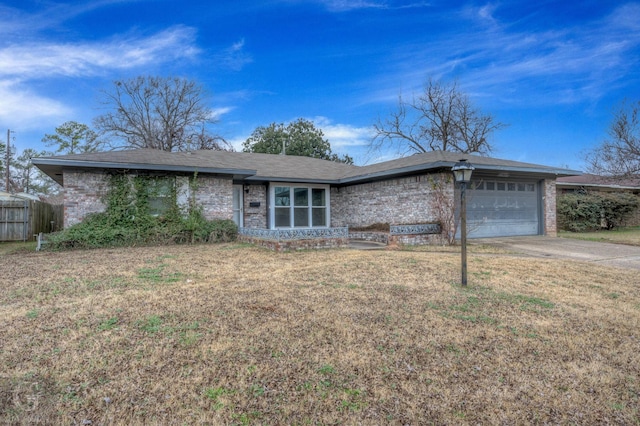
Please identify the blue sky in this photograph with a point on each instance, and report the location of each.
(553, 70)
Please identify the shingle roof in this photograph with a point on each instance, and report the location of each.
(268, 167)
(600, 181)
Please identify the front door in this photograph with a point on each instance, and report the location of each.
(238, 211)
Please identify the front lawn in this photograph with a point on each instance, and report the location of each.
(630, 236)
(9, 247)
(230, 334)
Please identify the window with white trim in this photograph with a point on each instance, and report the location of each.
(299, 206)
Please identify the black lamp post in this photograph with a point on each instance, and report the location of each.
(462, 173)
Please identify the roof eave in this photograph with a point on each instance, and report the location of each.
(395, 172)
(596, 185)
(56, 166)
(260, 179)
(543, 171)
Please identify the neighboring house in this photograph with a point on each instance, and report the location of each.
(595, 183)
(277, 197)
(588, 182)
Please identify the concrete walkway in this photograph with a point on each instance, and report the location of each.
(366, 245)
(619, 255)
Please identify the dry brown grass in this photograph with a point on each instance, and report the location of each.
(230, 334)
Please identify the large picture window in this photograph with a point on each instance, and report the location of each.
(299, 206)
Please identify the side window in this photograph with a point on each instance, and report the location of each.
(282, 205)
(160, 195)
(319, 207)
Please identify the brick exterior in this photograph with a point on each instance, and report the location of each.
(215, 196)
(83, 193)
(549, 207)
(395, 201)
(407, 200)
(255, 217)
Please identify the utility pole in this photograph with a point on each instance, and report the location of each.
(7, 162)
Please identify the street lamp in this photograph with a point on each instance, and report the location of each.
(462, 174)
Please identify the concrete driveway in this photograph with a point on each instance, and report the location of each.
(618, 255)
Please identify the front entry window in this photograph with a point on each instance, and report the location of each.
(300, 207)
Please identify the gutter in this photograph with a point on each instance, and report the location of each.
(140, 166)
(449, 164)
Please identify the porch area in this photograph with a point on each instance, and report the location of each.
(282, 240)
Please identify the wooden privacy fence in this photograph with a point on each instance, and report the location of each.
(21, 219)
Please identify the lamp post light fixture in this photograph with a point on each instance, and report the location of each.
(462, 174)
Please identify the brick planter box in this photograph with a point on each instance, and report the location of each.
(295, 239)
(408, 235)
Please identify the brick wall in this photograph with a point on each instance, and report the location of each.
(215, 196)
(549, 207)
(395, 201)
(255, 217)
(83, 193)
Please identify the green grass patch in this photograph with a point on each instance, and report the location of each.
(628, 235)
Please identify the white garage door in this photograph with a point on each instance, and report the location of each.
(503, 208)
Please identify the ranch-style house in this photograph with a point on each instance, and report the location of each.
(292, 202)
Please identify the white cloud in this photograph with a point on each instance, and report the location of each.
(21, 64)
(349, 5)
(346, 5)
(520, 63)
(37, 59)
(21, 108)
(236, 142)
(217, 113)
(234, 57)
(19, 22)
(343, 136)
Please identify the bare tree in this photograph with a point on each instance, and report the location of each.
(442, 118)
(165, 113)
(619, 156)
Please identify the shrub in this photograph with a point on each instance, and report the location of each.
(582, 212)
(616, 208)
(126, 221)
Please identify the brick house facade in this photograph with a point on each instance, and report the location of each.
(245, 187)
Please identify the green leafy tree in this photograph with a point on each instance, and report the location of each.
(73, 138)
(26, 177)
(300, 137)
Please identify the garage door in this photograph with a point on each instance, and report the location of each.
(503, 208)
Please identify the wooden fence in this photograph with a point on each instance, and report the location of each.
(21, 219)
